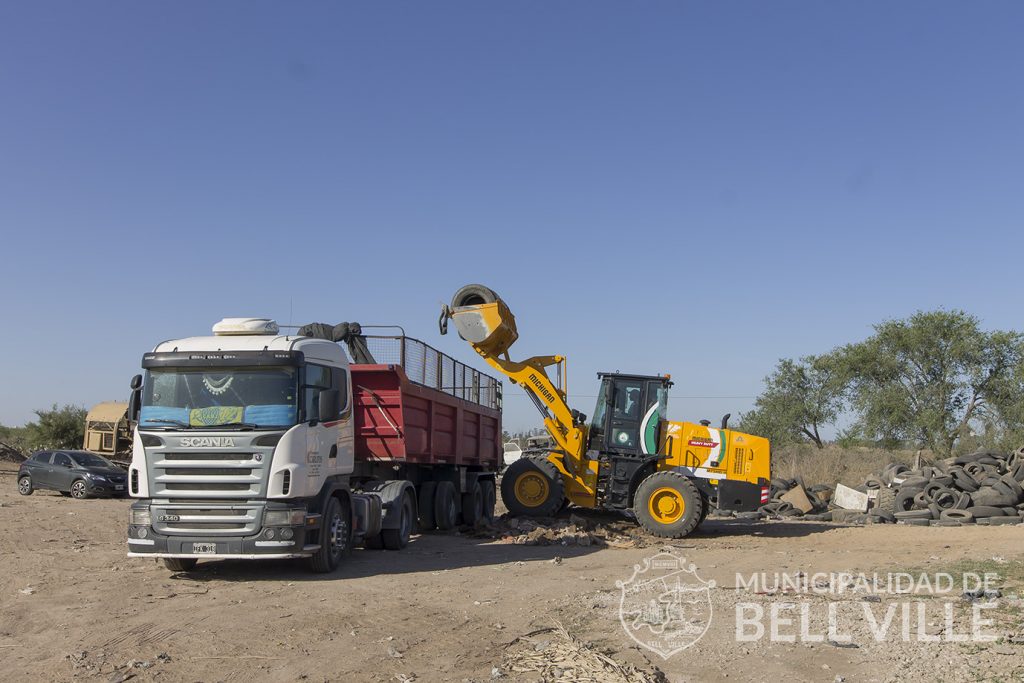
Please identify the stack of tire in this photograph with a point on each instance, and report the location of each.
(984, 488)
(977, 488)
(818, 495)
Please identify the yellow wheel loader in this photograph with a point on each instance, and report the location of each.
(628, 456)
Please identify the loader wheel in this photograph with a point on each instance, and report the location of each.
(667, 504)
(532, 487)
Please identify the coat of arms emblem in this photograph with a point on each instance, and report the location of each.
(665, 606)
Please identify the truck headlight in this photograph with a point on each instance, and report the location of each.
(140, 517)
(284, 517)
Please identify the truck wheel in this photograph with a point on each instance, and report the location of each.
(472, 505)
(335, 537)
(667, 504)
(489, 499)
(446, 512)
(78, 489)
(396, 539)
(25, 487)
(532, 487)
(180, 564)
(426, 502)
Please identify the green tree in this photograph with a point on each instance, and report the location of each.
(57, 428)
(934, 376)
(800, 398)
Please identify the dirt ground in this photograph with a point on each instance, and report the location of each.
(456, 608)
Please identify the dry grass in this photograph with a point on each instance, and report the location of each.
(832, 464)
(563, 657)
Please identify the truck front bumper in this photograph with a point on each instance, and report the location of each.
(223, 547)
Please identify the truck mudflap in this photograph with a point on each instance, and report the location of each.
(741, 496)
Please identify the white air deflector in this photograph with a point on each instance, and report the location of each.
(238, 326)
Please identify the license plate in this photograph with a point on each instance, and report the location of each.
(204, 548)
(119, 487)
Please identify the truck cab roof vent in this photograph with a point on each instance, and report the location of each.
(245, 326)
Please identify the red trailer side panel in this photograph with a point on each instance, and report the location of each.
(402, 421)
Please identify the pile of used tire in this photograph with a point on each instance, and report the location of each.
(977, 488)
(982, 488)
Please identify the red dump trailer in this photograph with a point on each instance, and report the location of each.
(422, 417)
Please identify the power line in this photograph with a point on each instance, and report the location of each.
(523, 395)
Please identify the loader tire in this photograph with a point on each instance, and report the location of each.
(532, 487)
(667, 504)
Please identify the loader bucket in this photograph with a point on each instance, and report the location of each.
(483, 319)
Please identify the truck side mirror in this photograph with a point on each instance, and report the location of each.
(328, 405)
(135, 399)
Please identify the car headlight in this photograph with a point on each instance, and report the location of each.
(140, 517)
(97, 477)
(284, 517)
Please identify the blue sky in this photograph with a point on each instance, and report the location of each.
(693, 188)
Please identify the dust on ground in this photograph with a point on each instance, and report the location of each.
(464, 608)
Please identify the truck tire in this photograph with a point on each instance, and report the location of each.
(489, 498)
(426, 502)
(398, 538)
(180, 564)
(532, 487)
(335, 537)
(472, 505)
(445, 510)
(472, 295)
(667, 504)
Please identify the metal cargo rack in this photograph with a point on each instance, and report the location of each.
(425, 365)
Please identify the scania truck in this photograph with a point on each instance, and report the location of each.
(258, 444)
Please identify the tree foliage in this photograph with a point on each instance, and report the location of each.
(800, 398)
(54, 428)
(935, 378)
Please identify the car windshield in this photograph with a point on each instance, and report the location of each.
(90, 460)
(194, 398)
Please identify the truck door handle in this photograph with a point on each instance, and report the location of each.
(334, 452)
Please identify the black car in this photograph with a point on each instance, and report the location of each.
(79, 474)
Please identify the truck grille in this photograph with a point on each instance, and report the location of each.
(207, 521)
(208, 475)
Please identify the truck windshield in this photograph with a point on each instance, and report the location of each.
(194, 398)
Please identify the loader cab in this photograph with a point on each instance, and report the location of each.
(630, 410)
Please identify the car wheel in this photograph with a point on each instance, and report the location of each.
(25, 487)
(78, 489)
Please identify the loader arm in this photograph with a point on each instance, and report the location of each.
(484, 321)
(559, 419)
